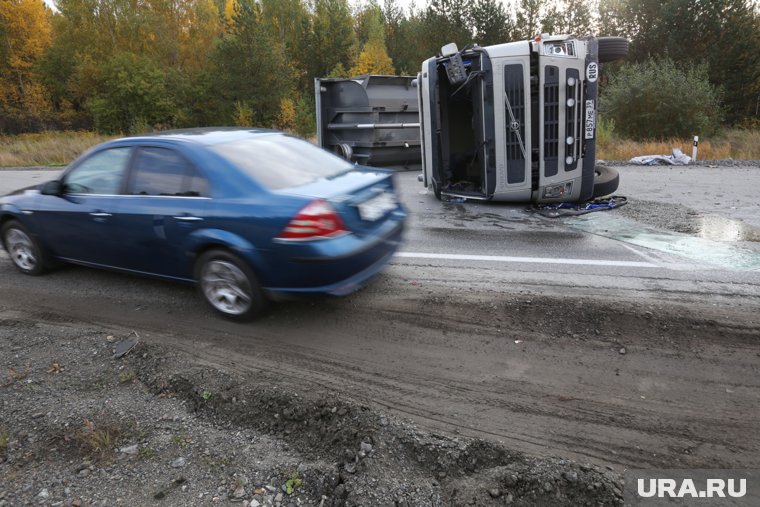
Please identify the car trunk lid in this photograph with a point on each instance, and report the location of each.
(363, 197)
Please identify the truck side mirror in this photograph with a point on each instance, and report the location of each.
(449, 49)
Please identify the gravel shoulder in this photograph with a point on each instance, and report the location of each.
(81, 427)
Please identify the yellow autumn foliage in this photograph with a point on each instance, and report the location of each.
(373, 59)
(25, 33)
(286, 119)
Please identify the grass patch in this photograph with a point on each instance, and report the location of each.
(97, 438)
(127, 377)
(146, 453)
(737, 144)
(5, 438)
(181, 441)
(46, 148)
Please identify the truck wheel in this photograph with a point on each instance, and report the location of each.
(606, 181)
(436, 190)
(612, 48)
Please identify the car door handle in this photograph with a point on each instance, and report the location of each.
(100, 214)
(188, 218)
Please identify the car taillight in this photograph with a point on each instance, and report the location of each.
(316, 220)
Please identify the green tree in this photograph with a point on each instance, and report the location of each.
(657, 99)
(572, 17)
(250, 67)
(330, 38)
(405, 39)
(528, 22)
(449, 20)
(132, 92)
(373, 58)
(722, 33)
(492, 23)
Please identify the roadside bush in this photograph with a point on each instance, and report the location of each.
(132, 96)
(305, 122)
(658, 100)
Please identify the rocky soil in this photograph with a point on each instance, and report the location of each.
(80, 427)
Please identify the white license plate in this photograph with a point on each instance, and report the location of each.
(590, 119)
(377, 206)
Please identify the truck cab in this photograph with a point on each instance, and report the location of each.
(513, 122)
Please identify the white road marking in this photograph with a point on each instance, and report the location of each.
(532, 260)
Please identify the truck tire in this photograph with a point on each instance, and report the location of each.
(612, 48)
(436, 190)
(606, 181)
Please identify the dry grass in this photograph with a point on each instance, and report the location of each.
(96, 439)
(46, 148)
(5, 437)
(60, 148)
(745, 144)
(736, 144)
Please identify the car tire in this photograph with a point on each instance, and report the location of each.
(612, 48)
(229, 285)
(606, 181)
(23, 249)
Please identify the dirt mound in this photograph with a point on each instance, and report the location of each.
(82, 427)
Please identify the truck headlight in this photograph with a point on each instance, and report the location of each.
(557, 191)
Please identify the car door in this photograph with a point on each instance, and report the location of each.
(77, 224)
(164, 204)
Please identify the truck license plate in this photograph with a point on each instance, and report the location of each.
(590, 119)
(377, 206)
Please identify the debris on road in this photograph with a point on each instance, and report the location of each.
(573, 209)
(675, 158)
(123, 347)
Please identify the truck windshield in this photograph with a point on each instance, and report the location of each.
(280, 161)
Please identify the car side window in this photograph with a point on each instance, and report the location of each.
(162, 171)
(101, 173)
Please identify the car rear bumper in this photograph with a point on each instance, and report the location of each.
(340, 267)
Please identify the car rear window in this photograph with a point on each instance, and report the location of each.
(279, 161)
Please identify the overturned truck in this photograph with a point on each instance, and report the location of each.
(512, 122)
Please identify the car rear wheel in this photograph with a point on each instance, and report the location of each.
(24, 251)
(229, 286)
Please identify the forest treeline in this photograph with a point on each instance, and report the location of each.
(132, 65)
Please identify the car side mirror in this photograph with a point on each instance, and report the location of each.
(54, 187)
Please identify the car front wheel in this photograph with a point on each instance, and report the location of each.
(229, 285)
(24, 251)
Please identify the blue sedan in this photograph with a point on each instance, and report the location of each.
(248, 215)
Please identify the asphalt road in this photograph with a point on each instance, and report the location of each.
(609, 337)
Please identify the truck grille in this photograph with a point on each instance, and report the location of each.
(551, 120)
(514, 92)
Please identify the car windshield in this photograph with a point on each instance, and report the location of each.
(280, 161)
